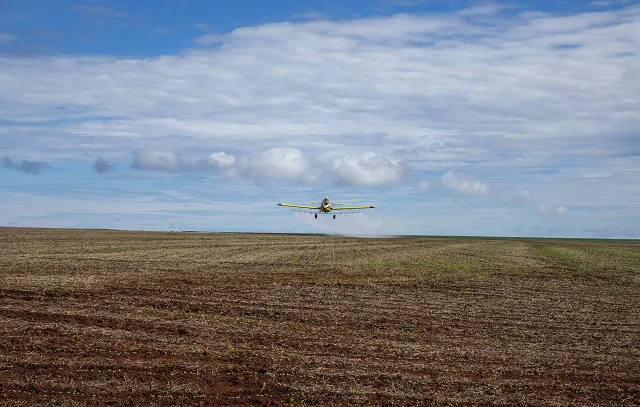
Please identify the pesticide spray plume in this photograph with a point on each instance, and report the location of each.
(351, 225)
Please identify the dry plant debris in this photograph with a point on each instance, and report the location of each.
(129, 318)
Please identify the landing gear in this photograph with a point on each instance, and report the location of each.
(334, 216)
(316, 215)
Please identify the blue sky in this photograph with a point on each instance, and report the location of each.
(451, 116)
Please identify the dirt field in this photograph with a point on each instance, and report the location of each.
(130, 318)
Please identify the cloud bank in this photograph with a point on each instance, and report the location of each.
(292, 164)
(533, 82)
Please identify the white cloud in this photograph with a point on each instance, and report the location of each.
(423, 186)
(291, 164)
(221, 160)
(501, 82)
(157, 160)
(560, 210)
(369, 169)
(275, 164)
(464, 183)
(281, 164)
(278, 164)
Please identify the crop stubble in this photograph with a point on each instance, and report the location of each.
(238, 319)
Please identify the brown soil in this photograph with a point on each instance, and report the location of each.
(131, 318)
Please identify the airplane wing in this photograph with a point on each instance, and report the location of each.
(299, 206)
(342, 208)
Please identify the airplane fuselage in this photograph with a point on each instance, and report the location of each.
(325, 206)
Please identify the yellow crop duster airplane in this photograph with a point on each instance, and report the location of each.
(325, 207)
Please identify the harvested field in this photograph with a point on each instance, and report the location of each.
(109, 317)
